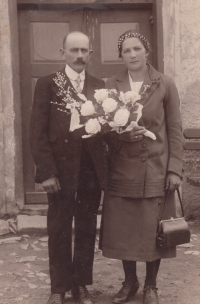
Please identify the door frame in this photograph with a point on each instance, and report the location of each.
(157, 28)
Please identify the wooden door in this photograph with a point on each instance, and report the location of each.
(40, 38)
(104, 29)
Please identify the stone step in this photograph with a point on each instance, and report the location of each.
(40, 222)
(41, 209)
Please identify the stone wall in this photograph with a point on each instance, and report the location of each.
(182, 62)
(11, 182)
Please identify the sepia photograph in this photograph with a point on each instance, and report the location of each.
(99, 151)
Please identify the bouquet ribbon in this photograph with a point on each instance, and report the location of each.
(75, 120)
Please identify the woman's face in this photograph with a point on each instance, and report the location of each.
(134, 54)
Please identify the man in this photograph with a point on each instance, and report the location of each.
(71, 170)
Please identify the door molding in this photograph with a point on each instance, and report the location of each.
(154, 5)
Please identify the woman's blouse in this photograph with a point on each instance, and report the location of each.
(135, 85)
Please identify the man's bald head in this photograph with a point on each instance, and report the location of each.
(74, 35)
(76, 50)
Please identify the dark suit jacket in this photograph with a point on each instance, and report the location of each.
(55, 150)
(139, 169)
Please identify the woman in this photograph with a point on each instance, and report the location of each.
(141, 170)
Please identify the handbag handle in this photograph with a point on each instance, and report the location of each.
(179, 196)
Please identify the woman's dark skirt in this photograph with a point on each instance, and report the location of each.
(129, 228)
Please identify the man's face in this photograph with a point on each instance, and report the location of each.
(76, 51)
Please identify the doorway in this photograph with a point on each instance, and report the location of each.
(41, 35)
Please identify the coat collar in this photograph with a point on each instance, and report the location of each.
(122, 82)
(65, 86)
(89, 83)
(153, 74)
(152, 79)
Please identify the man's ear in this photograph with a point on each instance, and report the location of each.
(90, 53)
(62, 51)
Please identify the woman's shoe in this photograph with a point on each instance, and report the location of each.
(128, 289)
(150, 295)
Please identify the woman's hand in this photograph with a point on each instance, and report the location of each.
(173, 181)
(134, 135)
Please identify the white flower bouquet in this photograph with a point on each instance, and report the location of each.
(112, 111)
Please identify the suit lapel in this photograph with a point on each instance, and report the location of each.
(149, 85)
(62, 115)
(151, 81)
(122, 82)
(90, 86)
(66, 86)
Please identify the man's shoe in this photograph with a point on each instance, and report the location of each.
(81, 294)
(128, 289)
(150, 295)
(56, 298)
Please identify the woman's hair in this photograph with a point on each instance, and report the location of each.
(130, 34)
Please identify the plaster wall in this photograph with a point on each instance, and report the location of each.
(11, 183)
(182, 63)
(190, 93)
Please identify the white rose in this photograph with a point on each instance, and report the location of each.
(109, 105)
(121, 96)
(100, 95)
(82, 97)
(87, 108)
(132, 96)
(92, 126)
(121, 117)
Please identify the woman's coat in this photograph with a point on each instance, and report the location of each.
(139, 169)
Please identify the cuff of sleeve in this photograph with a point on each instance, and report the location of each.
(175, 165)
(45, 171)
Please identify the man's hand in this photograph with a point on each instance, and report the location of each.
(134, 135)
(173, 181)
(51, 185)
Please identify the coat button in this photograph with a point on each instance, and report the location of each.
(66, 141)
(64, 158)
(143, 159)
(144, 145)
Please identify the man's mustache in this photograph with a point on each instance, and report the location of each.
(80, 61)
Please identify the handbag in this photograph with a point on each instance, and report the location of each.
(174, 231)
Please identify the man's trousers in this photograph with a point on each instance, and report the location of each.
(67, 268)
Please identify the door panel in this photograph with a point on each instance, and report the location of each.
(110, 33)
(42, 48)
(104, 29)
(41, 37)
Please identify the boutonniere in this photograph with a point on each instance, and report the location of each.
(148, 87)
(67, 101)
(71, 103)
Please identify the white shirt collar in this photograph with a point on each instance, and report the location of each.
(73, 74)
